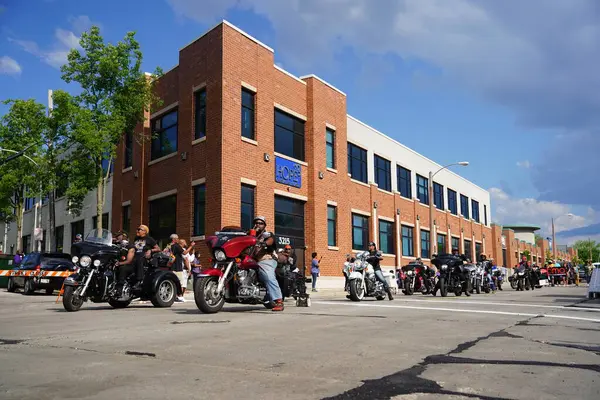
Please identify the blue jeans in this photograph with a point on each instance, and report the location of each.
(266, 273)
(315, 275)
(381, 278)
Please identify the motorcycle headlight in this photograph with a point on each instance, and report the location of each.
(409, 272)
(75, 259)
(444, 266)
(220, 255)
(521, 273)
(96, 263)
(85, 261)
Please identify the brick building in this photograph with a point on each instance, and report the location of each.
(237, 136)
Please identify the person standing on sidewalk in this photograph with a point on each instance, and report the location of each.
(177, 252)
(315, 270)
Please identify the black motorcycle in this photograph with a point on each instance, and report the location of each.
(521, 279)
(453, 277)
(96, 280)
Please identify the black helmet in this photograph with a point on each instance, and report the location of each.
(372, 244)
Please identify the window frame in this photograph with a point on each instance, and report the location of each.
(251, 110)
(475, 210)
(364, 229)
(330, 146)
(452, 205)
(420, 187)
(331, 229)
(200, 113)
(452, 241)
(438, 196)
(425, 244)
(442, 246)
(403, 179)
(485, 215)
(128, 150)
(462, 208)
(409, 239)
(363, 164)
(199, 224)
(242, 203)
(295, 121)
(389, 233)
(160, 134)
(384, 166)
(126, 218)
(469, 253)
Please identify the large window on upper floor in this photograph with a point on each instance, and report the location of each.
(200, 114)
(464, 206)
(452, 202)
(383, 173)
(422, 189)
(404, 181)
(475, 210)
(164, 135)
(248, 114)
(438, 195)
(485, 222)
(128, 146)
(330, 147)
(289, 135)
(357, 163)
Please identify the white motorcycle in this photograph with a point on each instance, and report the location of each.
(361, 279)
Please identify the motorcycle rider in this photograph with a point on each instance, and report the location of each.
(375, 257)
(264, 254)
(144, 247)
(457, 254)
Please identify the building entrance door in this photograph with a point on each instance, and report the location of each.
(289, 226)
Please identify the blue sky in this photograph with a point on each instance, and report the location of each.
(482, 81)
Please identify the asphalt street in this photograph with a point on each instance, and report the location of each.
(509, 345)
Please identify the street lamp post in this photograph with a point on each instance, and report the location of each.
(35, 216)
(554, 236)
(432, 232)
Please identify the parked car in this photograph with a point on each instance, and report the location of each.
(50, 262)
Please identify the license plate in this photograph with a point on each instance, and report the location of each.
(44, 280)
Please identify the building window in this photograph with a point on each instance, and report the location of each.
(404, 182)
(386, 237)
(485, 222)
(29, 202)
(200, 114)
(330, 147)
(357, 163)
(441, 244)
(425, 240)
(26, 244)
(126, 221)
(383, 173)
(475, 210)
(199, 209)
(407, 241)
(452, 205)
(331, 226)
(360, 232)
(77, 228)
(59, 238)
(422, 189)
(455, 244)
(478, 250)
(289, 135)
(163, 219)
(247, 208)
(104, 221)
(164, 135)
(464, 206)
(247, 114)
(438, 196)
(468, 250)
(128, 157)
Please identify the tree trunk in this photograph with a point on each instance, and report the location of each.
(20, 225)
(52, 221)
(99, 203)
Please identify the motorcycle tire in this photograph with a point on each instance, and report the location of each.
(357, 292)
(28, 287)
(487, 290)
(202, 288)
(49, 291)
(520, 286)
(478, 289)
(443, 288)
(408, 289)
(468, 288)
(71, 302)
(380, 298)
(513, 284)
(11, 287)
(458, 291)
(165, 294)
(118, 304)
(499, 286)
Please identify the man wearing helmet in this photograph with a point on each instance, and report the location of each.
(264, 253)
(375, 257)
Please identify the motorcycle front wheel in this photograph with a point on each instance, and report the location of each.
(205, 296)
(408, 287)
(443, 287)
(357, 292)
(478, 287)
(71, 301)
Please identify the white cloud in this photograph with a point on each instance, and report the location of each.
(65, 40)
(514, 211)
(524, 164)
(9, 66)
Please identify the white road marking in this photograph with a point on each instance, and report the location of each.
(459, 310)
(500, 304)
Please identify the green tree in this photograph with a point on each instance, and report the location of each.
(587, 250)
(21, 128)
(527, 254)
(114, 96)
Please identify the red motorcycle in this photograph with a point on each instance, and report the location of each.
(233, 277)
(417, 277)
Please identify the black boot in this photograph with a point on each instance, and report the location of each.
(389, 292)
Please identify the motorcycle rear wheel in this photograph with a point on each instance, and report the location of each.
(118, 304)
(71, 301)
(357, 292)
(204, 288)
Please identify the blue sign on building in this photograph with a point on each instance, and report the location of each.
(288, 172)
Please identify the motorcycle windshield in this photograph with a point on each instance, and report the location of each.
(99, 236)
